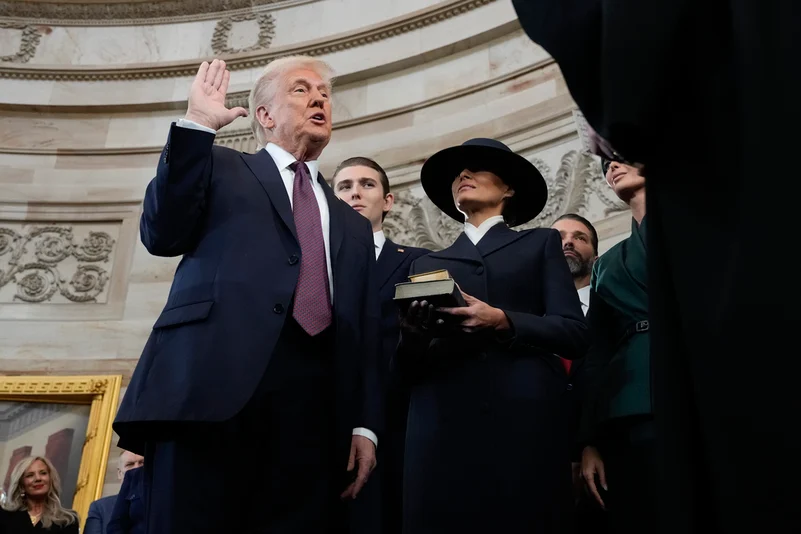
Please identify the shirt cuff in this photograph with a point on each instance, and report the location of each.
(192, 125)
(367, 433)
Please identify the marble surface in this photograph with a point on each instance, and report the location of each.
(10, 40)
(113, 45)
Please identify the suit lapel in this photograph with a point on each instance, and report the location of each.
(496, 238)
(264, 169)
(389, 261)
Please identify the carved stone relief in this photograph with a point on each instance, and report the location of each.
(28, 43)
(220, 41)
(353, 39)
(573, 188)
(55, 263)
(93, 12)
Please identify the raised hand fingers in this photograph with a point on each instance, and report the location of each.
(225, 81)
(219, 74)
(202, 72)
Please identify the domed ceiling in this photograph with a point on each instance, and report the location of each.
(105, 11)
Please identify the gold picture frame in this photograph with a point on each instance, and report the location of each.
(101, 394)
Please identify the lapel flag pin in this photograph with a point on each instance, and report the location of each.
(400, 250)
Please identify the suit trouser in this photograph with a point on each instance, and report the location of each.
(627, 449)
(269, 468)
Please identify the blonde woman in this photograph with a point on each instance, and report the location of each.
(33, 502)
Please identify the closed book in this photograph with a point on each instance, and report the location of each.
(441, 293)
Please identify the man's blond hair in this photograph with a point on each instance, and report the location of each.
(266, 85)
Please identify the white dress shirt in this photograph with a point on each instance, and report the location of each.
(584, 297)
(475, 234)
(379, 239)
(283, 160)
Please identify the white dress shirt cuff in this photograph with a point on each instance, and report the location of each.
(367, 433)
(192, 125)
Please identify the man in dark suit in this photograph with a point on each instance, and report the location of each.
(128, 513)
(100, 510)
(265, 356)
(363, 184)
(700, 95)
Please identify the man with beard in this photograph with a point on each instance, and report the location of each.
(580, 245)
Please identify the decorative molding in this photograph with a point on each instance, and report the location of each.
(240, 98)
(66, 261)
(55, 385)
(132, 13)
(28, 44)
(39, 280)
(222, 33)
(416, 221)
(379, 32)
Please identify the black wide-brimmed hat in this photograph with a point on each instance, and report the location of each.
(480, 154)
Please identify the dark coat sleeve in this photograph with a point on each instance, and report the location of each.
(94, 519)
(591, 40)
(122, 520)
(373, 400)
(562, 329)
(409, 360)
(603, 332)
(175, 199)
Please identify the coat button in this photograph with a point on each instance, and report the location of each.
(570, 387)
(483, 357)
(278, 308)
(480, 269)
(484, 407)
(292, 260)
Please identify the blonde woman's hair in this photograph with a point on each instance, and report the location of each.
(266, 86)
(54, 513)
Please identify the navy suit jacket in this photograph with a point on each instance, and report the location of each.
(392, 267)
(128, 514)
(229, 215)
(99, 514)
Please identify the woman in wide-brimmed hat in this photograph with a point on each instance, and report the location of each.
(486, 445)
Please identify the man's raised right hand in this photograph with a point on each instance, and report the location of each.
(207, 97)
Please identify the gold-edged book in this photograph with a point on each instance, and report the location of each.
(441, 274)
(435, 287)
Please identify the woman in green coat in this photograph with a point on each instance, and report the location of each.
(618, 463)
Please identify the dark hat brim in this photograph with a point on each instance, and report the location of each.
(531, 191)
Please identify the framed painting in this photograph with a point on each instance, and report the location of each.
(66, 419)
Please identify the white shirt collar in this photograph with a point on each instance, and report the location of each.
(284, 159)
(584, 297)
(379, 239)
(475, 234)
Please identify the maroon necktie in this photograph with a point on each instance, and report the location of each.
(312, 308)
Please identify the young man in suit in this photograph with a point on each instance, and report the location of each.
(266, 353)
(363, 184)
(99, 515)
